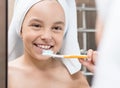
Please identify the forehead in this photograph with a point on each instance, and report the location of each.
(46, 10)
(47, 3)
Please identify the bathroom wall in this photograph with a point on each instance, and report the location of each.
(2, 43)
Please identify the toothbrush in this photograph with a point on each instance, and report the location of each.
(51, 54)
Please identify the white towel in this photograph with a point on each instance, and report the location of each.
(70, 44)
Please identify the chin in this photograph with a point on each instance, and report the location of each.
(42, 58)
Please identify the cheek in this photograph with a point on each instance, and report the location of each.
(59, 40)
(28, 37)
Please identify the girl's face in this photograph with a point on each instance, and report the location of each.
(43, 28)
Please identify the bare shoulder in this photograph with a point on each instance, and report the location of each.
(15, 73)
(13, 67)
(78, 75)
(81, 80)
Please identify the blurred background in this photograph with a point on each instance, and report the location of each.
(2, 43)
(86, 14)
(86, 17)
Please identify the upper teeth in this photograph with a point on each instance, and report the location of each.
(44, 46)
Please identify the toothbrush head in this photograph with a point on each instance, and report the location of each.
(47, 52)
(51, 54)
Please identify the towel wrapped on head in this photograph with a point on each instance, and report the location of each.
(70, 41)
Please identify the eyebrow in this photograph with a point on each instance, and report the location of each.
(34, 19)
(57, 22)
(60, 22)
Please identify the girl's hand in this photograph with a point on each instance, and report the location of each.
(90, 62)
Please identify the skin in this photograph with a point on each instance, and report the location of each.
(42, 28)
(90, 63)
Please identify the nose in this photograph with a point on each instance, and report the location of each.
(46, 35)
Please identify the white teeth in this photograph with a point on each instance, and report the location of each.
(44, 46)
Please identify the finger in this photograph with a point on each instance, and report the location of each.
(88, 65)
(94, 56)
(90, 54)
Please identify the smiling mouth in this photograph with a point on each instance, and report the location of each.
(42, 46)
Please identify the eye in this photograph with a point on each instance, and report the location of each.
(57, 28)
(36, 25)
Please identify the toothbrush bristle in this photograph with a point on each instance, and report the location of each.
(47, 52)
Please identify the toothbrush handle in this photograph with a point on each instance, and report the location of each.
(75, 56)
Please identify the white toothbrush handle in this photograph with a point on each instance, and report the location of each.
(57, 56)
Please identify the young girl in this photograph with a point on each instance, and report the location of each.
(39, 25)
